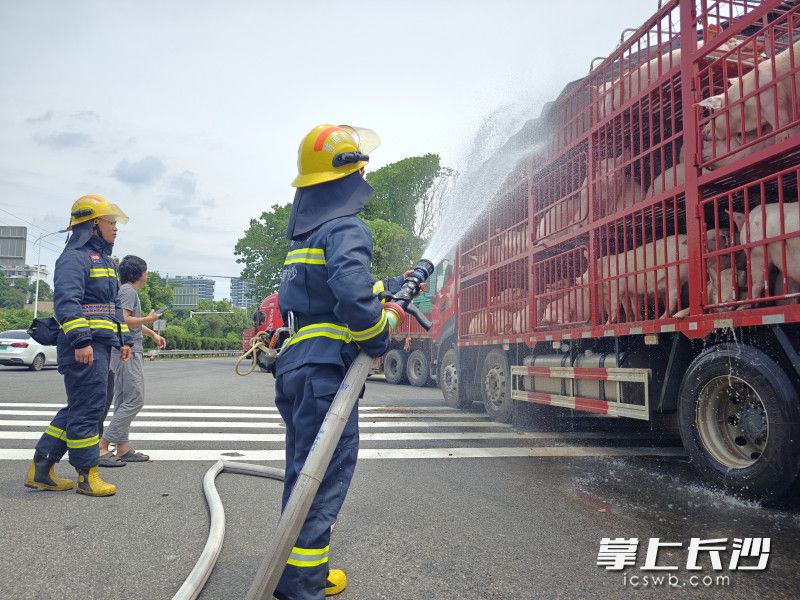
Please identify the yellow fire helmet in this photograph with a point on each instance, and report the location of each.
(87, 208)
(330, 152)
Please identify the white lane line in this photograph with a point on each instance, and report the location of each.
(397, 453)
(365, 437)
(235, 408)
(141, 424)
(234, 415)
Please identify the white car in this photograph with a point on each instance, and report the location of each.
(17, 348)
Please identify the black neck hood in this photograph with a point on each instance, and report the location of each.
(321, 203)
(84, 234)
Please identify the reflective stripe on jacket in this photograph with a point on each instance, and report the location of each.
(326, 283)
(85, 296)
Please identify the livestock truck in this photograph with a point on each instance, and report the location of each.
(645, 257)
(408, 358)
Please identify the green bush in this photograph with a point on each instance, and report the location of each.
(16, 318)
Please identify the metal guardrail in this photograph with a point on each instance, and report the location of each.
(166, 354)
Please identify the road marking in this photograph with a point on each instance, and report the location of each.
(365, 437)
(396, 453)
(276, 425)
(236, 408)
(234, 415)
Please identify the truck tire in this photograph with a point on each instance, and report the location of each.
(417, 368)
(394, 366)
(455, 394)
(740, 421)
(496, 387)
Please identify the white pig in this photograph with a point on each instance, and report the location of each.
(614, 93)
(768, 220)
(631, 289)
(757, 78)
(718, 147)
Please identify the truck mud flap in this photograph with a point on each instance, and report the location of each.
(631, 384)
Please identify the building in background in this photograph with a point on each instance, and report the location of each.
(31, 273)
(203, 286)
(185, 297)
(242, 291)
(13, 241)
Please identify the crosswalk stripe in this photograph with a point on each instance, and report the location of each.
(276, 425)
(394, 453)
(365, 437)
(236, 408)
(234, 415)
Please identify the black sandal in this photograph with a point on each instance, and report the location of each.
(110, 460)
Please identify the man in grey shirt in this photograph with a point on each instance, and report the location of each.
(129, 376)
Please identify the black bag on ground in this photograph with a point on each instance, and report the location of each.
(45, 331)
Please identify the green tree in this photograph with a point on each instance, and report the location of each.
(399, 188)
(18, 318)
(11, 297)
(263, 249)
(394, 248)
(157, 293)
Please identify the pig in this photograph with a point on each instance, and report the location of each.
(613, 191)
(561, 214)
(571, 307)
(670, 178)
(744, 116)
(615, 93)
(477, 324)
(767, 219)
(631, 289)
(718, 147)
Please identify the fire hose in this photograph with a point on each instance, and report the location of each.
(309, 478)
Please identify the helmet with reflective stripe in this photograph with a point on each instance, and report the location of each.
(330, 152)
(87, 208)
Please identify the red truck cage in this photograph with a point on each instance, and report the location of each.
(652, 245)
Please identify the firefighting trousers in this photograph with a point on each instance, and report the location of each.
(75, 427)
(303, 397)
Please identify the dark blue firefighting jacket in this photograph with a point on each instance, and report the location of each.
(85, 298)
(327, 285)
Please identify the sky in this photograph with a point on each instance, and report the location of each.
(188, 113)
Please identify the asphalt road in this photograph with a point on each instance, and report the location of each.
(444, 504)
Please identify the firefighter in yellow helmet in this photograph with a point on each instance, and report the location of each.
(329, 297)
(86, 307)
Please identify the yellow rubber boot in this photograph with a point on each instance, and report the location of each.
(42, 476)
(336, 583)
(91, 484)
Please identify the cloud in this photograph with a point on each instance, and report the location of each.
(41, 118)
(140, 173)
(65, 139)
(85, 115)
(182, 200)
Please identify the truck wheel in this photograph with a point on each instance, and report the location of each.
(496, 387)
(740, 421)
(38, 363)
(455, 394)
(394, 366)
(417, 368)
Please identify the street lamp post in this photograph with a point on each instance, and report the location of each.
(38, 264)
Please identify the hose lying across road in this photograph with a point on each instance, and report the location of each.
(193, 585)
